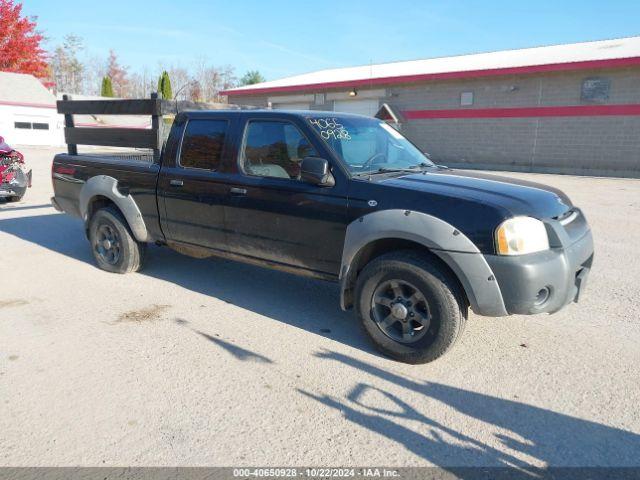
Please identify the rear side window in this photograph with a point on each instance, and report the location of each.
(203, 143)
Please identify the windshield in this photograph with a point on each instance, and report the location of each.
(368, 145)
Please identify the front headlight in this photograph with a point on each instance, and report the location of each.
(520, 235)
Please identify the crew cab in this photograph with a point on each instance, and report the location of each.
(344, 198)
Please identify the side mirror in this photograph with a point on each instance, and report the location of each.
(315, 170)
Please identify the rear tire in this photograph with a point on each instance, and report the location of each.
(113, 245)
(410, 306)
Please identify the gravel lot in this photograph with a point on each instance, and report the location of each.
(210, 362)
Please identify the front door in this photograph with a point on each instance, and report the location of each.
(273, 215)
(193, 189)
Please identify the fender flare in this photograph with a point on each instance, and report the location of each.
(449, 244)
(106, 186)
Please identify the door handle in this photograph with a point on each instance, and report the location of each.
(176, 183)
(238, 191)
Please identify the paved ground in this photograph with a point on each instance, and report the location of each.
(214, 363)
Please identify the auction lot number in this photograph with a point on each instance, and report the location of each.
(294, 472)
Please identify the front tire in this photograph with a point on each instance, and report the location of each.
(112, 243)
(410, 306)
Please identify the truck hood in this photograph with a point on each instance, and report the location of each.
(518, 197)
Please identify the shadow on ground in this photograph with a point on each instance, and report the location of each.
(237, 352)
(311, 305)
(11, 207)
(524, 435)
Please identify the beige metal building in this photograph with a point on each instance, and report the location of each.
(567, 108)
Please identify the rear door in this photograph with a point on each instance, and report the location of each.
(273, 215)
(192, 185)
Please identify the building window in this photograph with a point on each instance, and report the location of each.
(466, 99)
(595, 89)
(319, 98)
(23, 125)
(40, 126)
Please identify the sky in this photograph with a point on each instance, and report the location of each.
(287, 37)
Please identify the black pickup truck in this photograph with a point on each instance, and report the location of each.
(338, 197)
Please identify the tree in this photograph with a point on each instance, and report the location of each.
(164, 86)
(68, 71)
(141, 84)
(107, 87)
(180, 80)
(118, 75)
(94, 71)
(195, 91)
(20, 49)
(213, 79)
(252, 77)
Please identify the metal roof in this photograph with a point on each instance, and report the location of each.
(24, 90)
(598, 54)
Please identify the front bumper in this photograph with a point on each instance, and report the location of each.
(544, 282)
(7, 190)
(17, 186)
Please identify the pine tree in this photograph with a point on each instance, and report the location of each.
(107, 87)
(164, 86)
(252, 77)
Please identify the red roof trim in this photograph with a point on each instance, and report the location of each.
(524, 112)
(24, 104)
(551, 67)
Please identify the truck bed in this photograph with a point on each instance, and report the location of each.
(136, 173)
(146, 157)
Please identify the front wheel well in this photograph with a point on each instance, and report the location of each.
(379, 247)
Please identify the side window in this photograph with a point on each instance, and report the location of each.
(202, 144)
(274, 149)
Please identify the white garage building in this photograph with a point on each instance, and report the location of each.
(28, 112)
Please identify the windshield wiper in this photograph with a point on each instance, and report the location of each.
(426, 165)
(411, 169)
(387, 170)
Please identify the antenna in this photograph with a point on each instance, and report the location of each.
(175, 97)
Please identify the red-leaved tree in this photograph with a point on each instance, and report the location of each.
(118, 75)
(20, 49)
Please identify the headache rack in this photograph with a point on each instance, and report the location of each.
(126, 137)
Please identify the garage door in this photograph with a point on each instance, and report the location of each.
(291, 106)
(361, 107)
